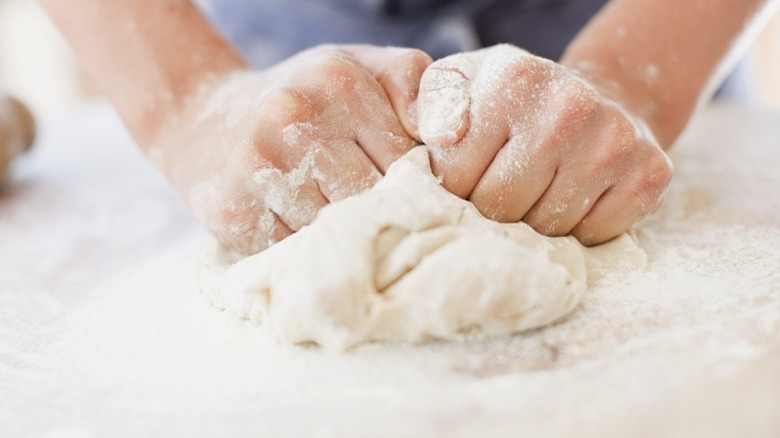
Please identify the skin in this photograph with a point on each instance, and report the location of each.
(578, 147)
(564, 158)
(225, 135)
(575, 147)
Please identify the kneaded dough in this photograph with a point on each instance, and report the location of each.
(408, 261)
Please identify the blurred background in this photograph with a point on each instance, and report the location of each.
(38, 67)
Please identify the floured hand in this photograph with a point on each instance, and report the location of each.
(527, 139)
(257, 154)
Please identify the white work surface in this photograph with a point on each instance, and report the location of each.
(103, 330)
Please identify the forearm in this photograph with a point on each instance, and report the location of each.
(660, 58)
(148, 56)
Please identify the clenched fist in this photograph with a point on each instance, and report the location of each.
(525, 138)
(255, 155)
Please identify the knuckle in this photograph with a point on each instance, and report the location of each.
(622, 135)
(519, 63)
(524, 75)
(415, 60)
(406, 71)
(576, 113)
(659, 173)
(651, 183)
(336, 68)
(618, 143)
(512, 59)
(287, 106)
(609, 154)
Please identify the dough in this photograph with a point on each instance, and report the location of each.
(408, 261)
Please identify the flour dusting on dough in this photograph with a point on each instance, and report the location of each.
(408, 261)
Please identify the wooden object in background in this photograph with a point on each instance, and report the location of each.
(17, 132)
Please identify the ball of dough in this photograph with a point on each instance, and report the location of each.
(405, 261)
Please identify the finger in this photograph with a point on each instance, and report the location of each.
(461, 167)
(353, 107)
(445, 99)
(564, 204)
(398, 71)
(340, 167)
(628, 201)
(491, 78)
(283, 178)
(345, 170)
(256, 233)
(458, 123)
(516, 178)
(377, 129)
(614, 212)
(449, 86)
(293, 195)
(580, 180)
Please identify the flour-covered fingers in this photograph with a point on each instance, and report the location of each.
(514, 181)
(628, 201)
(266, 150)
(444, 101)
(470, 106)
(376, 126)
(344, 170)
(383, 139)
(563, 204)
(460, 166)
(236, 217)
(354, 106)
(399, 71)
(294, 196)
(326, 170)
(613, 213)
(252, 233)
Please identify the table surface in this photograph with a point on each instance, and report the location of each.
(103, 330)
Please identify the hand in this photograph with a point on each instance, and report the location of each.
(256, 154)
(527, 139)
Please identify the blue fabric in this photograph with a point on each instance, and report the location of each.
(267, 31)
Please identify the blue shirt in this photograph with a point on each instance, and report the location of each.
(267, 31)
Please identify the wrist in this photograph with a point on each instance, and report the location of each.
(170, 105)
(150, 56)
(647, 102)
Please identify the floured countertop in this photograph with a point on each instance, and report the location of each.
(103, 331)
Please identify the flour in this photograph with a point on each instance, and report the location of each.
(408, 261)
(450, 88)
(103, 331)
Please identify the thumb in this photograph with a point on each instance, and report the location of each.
(399, 71)
(445, 100)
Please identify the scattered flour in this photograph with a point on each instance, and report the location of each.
(103, 333)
